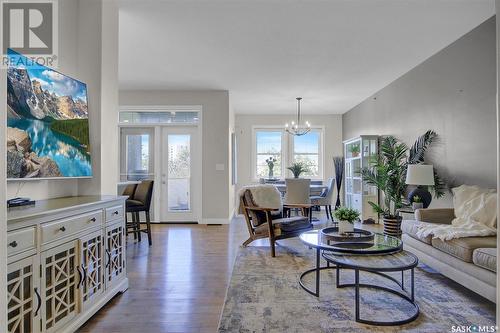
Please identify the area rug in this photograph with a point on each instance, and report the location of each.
(264, 296)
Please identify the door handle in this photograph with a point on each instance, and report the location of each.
(84, 274)
(109, 258)
(80, 277)
(39, 299)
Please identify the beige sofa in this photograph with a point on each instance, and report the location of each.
(470, 261)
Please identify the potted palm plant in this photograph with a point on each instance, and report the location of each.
(346, 218)
(297, 168)
(388, 172)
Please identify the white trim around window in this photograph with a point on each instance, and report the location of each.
(287, 150)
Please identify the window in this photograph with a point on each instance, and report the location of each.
(306, 149)
(136, 158)
(286, 149)
(268, 144)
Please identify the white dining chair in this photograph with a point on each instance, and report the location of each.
(297, 195)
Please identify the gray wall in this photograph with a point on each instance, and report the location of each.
(453, 93)
(216, 133)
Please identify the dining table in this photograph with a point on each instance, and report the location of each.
(314, 188)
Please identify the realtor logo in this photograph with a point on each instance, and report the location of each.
(30, 28)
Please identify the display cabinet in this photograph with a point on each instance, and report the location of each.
(358, 153)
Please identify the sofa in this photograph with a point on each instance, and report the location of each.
(470, 261)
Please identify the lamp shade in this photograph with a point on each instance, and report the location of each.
(420, 174)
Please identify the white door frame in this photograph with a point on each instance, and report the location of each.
(195, 170)
(157, 147)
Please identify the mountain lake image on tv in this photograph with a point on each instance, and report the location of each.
(47, 123)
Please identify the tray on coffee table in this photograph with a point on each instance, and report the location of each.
(331, 234)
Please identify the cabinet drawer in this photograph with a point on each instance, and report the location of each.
(61, 228)
(114, 213)
(20, 240)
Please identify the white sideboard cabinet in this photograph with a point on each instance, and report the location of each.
(66, 259)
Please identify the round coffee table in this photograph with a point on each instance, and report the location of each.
(314, 239)
(378, 264)
(372, 256)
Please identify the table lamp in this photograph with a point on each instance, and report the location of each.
(421, 175)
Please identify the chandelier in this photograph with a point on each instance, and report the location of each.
(295, 128)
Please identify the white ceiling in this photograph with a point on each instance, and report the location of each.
(332, 53)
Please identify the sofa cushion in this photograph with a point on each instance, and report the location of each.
(462, 248)
(410, 227)
(485, 258)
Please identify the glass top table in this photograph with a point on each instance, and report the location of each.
(381, 244)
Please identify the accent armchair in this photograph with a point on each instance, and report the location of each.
(264, 222)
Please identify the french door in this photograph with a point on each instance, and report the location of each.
(180, 170)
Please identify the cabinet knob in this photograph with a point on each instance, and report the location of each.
(13, 244)
(115, 212)
(63, 228)
(93, 219)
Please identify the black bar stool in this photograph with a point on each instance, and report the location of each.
(140, 202)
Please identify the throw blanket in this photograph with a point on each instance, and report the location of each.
(266, 196)
(475, 211)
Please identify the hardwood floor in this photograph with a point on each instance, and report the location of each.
(178, 284)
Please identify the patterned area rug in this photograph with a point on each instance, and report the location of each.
(264, 296)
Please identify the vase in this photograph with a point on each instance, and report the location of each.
(270, 174)
(392, 225)
(417, 205)
(345, 226)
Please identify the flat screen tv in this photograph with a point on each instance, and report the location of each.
(47, 123)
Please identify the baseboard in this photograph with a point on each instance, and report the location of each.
(215, 221)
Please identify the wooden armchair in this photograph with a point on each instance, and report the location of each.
(263, 222)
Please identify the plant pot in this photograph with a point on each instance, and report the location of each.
(392, 225)
(355, 154)
(417, 205)
(345, 226)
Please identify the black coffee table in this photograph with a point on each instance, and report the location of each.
(384, 254)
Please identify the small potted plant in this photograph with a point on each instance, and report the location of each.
(346, 218)
(354, 150)
(270, 164)
(417, 202)
(297, 168)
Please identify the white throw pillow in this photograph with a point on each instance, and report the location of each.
(475, 205)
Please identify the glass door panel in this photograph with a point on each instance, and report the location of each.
(180, 169)
(179, 172)
(136, 162)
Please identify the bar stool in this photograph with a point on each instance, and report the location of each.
(140, 202)
(129, 193)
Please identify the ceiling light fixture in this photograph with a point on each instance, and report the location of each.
(295, 128)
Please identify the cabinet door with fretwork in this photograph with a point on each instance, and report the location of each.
(59, 285)
(23, 296)
(92, 268)
(115, 253)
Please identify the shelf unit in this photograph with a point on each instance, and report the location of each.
(357, 192)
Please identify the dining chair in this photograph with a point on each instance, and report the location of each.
(297, 196)
(140, 202)
(325, 199)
